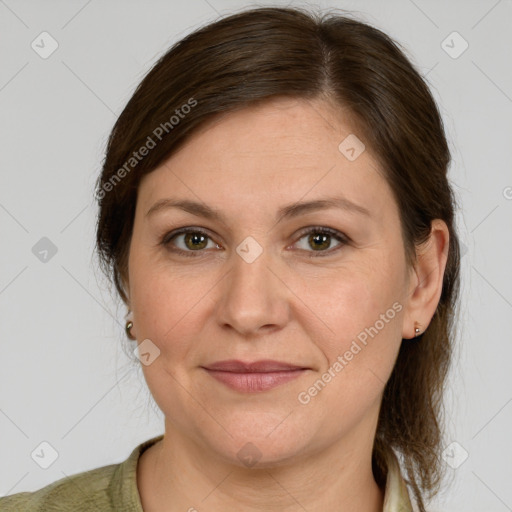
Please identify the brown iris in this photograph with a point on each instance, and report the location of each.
(324, 240)
(197, 240)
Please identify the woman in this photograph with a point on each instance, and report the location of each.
(275, 213)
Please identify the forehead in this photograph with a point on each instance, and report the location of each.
(276, 152)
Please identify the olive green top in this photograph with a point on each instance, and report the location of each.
(114, 488)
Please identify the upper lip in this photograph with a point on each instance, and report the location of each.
(262, 366)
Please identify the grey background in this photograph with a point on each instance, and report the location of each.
(64, 377)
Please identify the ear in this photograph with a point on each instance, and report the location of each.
(426, 282)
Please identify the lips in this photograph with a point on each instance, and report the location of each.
(253, 377)
(263, 366)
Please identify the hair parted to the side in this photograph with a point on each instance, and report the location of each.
(267, 52)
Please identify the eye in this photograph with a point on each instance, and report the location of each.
(190, 240)
(320, 238)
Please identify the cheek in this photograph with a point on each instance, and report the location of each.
(350, 302)
(163, 305)
(362, 320)
(159, 294)
(164, 312)
(171, 307)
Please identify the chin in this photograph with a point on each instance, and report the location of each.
(260, 441)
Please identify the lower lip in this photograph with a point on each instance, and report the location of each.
(254, 382)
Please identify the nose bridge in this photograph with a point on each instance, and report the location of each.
(252, 297)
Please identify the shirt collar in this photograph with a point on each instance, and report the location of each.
(396, 496)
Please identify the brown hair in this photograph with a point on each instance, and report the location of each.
(267, 52)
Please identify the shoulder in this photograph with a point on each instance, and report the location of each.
(107, 488)
(83, 491)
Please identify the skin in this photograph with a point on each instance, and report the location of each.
(284, 306)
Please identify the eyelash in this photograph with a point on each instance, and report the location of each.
(343, 239)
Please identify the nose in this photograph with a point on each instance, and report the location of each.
(253, 297)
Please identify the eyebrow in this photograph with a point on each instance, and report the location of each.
(286, 212)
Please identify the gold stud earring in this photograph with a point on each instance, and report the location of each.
(128, 326)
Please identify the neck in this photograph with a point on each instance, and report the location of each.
(177, 474)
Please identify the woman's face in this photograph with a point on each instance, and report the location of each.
(259, 281)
